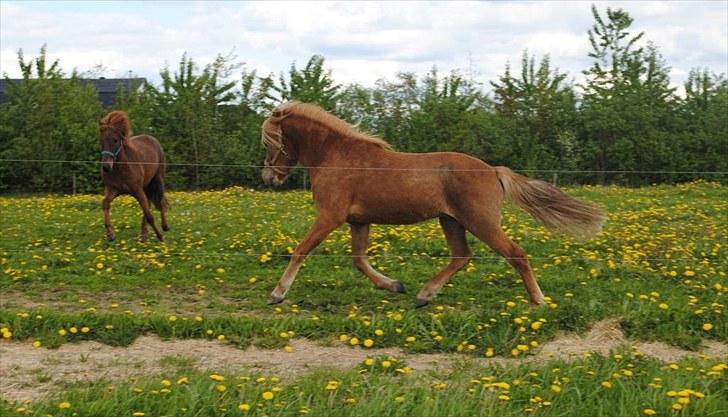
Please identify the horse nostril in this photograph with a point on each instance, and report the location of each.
(106, 168)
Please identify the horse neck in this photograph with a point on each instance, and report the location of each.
(314, 144)
(317, 145)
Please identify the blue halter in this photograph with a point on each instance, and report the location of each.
(114, 154)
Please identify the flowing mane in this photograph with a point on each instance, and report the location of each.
(317, 114)
(118, 121)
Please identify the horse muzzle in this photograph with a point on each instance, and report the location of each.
(107, 164)
(273, 179)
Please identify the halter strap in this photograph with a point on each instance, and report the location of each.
(274, 139)
(114, 155)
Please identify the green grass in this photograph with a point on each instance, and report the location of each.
(660, 264)
(620, 385)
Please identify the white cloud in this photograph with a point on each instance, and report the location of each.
(362, 41)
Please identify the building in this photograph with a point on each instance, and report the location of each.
(107, 88)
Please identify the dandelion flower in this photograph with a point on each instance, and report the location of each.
(267, 395)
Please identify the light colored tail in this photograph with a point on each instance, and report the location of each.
(551, 206)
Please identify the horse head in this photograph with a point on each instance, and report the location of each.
(114, 129)
(280, 157)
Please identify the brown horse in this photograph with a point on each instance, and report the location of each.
(357, 179)
(131, 165)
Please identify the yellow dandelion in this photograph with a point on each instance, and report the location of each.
(707, 327)
(267, 395)
(244, 407)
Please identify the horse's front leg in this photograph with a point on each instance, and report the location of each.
(148, 218)
(318, 232)
(109, 196)
(359, 241)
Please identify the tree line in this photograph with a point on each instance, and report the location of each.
(624, 117)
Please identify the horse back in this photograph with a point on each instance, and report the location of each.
(411, 187)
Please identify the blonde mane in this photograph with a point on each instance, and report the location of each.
(317, 114)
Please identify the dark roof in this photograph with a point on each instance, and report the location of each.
(106, 87)
(110, 85)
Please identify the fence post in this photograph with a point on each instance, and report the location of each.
(73, 183)
(555, 179)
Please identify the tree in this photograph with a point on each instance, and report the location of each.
(703, 114)
(628, 106)
(312, 84)
(49, 118)
(185, 114)
(537, 115)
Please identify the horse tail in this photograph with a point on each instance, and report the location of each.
(155, 189)
(155, 193)
(550, 205)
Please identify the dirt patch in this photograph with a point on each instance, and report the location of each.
(28, 373)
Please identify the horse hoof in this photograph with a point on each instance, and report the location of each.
(399, 287)
(143, 239)
(165, 227)
(421, 302)
(110, 238)
(274, 299)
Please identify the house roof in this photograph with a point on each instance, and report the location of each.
(106, 87)
(102, 85)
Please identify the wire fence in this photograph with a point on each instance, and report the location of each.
(400, 256)
(371, 168)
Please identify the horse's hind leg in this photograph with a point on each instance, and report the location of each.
(141, 197)
(494, 236)
(359, 241)
(156, 194)
(460, 254)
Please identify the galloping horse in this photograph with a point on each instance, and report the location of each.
(357, 179)
(131, 165)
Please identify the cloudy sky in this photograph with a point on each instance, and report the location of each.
(361, 41)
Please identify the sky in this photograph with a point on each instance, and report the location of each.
(361, 41)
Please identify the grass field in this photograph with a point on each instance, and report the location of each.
(660, 266)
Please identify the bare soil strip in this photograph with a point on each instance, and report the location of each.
(29, 373)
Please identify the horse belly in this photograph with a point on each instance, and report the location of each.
(392, 211)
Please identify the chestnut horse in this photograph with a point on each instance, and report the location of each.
(131, 165)
(357, 179)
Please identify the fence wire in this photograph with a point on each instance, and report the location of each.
(349, 168)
